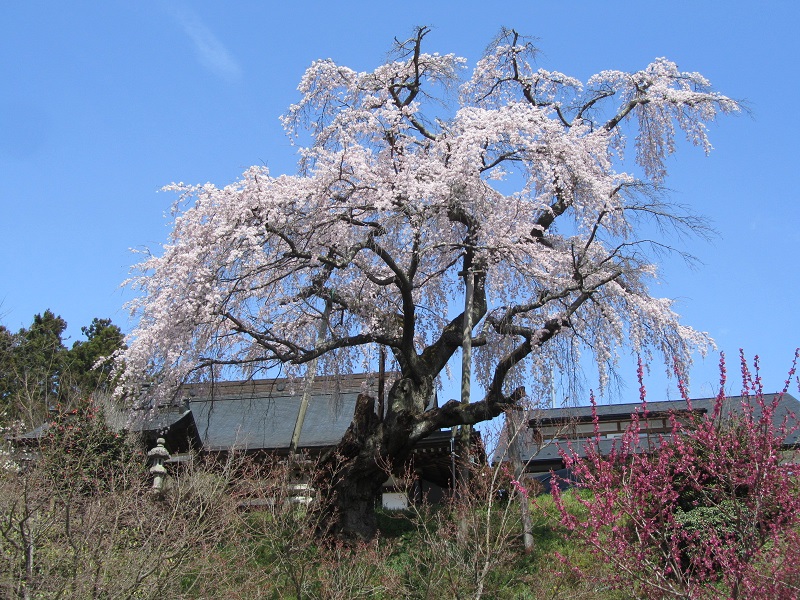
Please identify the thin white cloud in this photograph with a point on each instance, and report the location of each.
(211, 52)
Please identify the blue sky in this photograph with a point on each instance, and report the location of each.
(102, 103)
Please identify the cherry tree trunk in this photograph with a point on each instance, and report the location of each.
(348, 502)
(350, 477)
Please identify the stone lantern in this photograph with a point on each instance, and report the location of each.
(158, 456)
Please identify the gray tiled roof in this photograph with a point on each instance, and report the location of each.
(788, 407)
(261, 414)
(157, 419)
(267, 422)
(533, 453)
(732, 404)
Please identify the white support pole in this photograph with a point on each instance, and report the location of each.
(466, 371)
(308, 383)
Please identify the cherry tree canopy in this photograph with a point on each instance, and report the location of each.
(414, 185)
(411, 176)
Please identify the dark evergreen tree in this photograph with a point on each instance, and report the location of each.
(38, 372)
(90, 362)
(31, 361)
(6, 368)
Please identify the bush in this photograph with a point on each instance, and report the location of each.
(83, 454)
(708, 511)
(81, 522)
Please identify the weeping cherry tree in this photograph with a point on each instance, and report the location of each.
(413, 177)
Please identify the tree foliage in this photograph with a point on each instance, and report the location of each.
(393, 204)
(91, 361)
(38, 371)
(412, 179)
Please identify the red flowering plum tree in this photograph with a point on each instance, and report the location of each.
(413, 180)
(709, 511)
